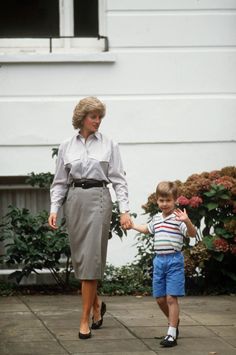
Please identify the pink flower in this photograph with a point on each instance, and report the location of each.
(221, 245)
(215, 174)
(226, 181)
(195, 201)
(183, 201)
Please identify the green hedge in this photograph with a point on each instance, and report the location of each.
(210, 264)
(210, 201)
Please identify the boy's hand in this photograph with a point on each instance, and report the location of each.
(181, 215)
(131, 224)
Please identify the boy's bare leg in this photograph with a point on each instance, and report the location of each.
(162, 303)
(173, 307)
(172, 333)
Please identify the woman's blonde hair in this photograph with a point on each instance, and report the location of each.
(167, 189)
(85, 106)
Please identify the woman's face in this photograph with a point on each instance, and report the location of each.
(91, 123)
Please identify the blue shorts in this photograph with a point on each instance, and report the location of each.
(168, 275)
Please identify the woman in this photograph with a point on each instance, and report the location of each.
(86, 164)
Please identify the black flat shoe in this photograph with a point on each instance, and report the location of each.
(98, 324)
(85, 336)
(168, 342)
(162, 340)
(177, 334)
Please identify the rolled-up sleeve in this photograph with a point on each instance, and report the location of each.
(150, 226)
(183, 229)
(59, 185)
(116, 176)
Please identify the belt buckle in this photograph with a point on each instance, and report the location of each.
(84, 185)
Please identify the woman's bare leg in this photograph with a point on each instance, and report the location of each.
(89, 292)
(96, 309)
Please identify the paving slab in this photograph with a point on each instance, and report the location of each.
(106, 333)
(21, 335)
(191, 345)
(223, 331)
(48, 325)
(122, 353)
(214, 318)
(32, 348)
(231, 340)
(185, 332)
(95, 346)
(12, 304)
(21, 320)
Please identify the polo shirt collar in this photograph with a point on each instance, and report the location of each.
(172, 215)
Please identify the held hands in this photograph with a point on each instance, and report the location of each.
(52, 219)
(125, 221)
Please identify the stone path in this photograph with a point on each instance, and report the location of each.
(48, 325)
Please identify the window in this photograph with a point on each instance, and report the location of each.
(44, 26)
(86, 18)
(29, 18)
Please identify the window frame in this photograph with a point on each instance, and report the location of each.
(66, 43)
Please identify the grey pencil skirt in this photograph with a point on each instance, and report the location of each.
(88, 215)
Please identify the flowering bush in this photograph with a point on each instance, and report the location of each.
(210, 201)
(195, 259)
(220, 244)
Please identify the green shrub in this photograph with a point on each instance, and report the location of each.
(125, 280)
(42, 180)
(32, 244)
(209, 199)
(7, 288)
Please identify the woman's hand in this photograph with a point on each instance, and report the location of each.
(52, 219)
(125, 220)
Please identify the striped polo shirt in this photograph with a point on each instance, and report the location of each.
(168, 233)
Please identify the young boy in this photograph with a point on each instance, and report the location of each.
(169, 227)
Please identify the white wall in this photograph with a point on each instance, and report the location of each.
(170, 95)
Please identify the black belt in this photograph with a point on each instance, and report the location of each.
(88, 184)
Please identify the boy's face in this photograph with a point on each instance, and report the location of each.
(166, 204)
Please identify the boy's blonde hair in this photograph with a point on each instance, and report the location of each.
(167, 189)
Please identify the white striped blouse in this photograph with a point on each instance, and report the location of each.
(96, 158)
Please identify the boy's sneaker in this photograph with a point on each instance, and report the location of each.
(168, 341)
